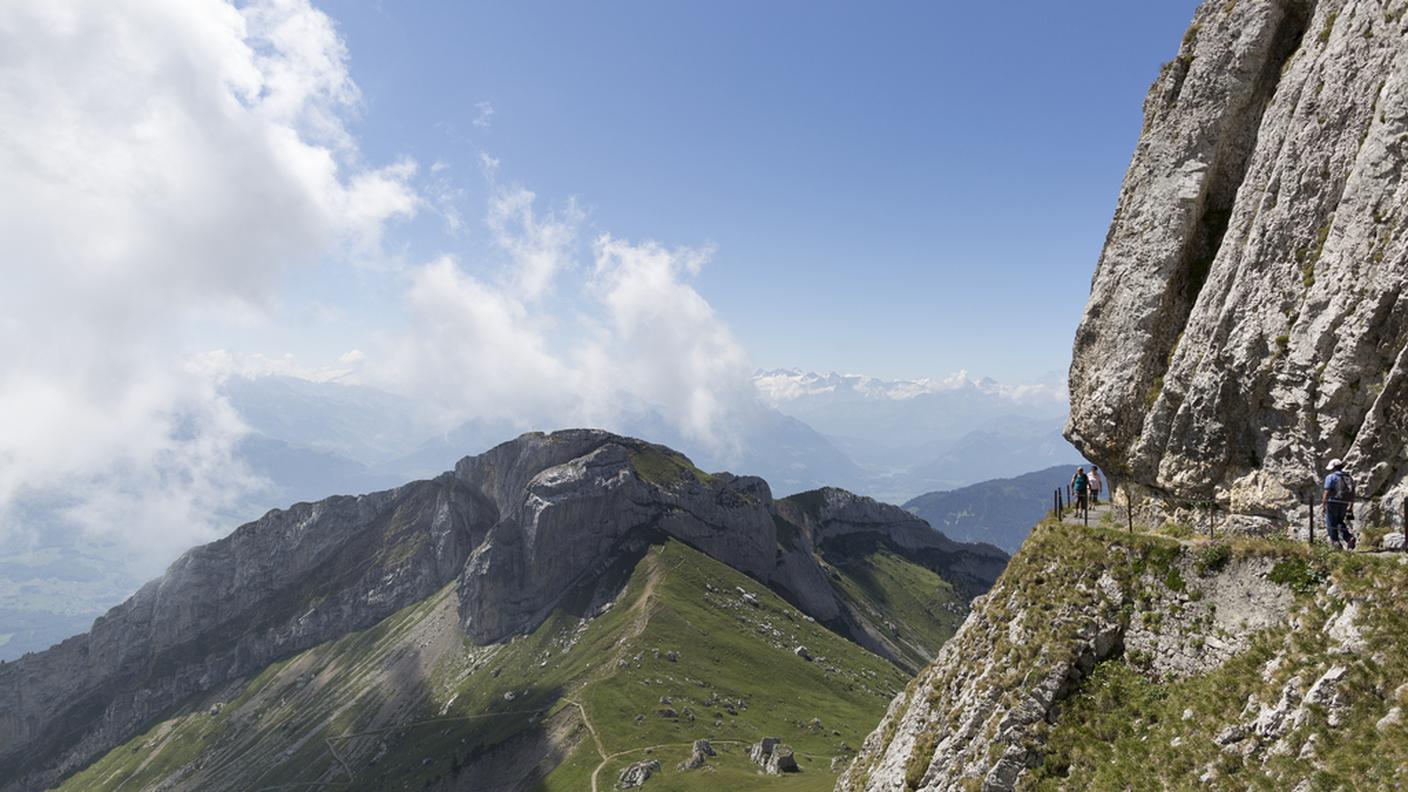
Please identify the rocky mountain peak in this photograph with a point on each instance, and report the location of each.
(513, 529)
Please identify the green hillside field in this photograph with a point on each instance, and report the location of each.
(678, 654)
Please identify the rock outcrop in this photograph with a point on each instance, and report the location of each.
(638, 773)
(699, 754)
(514, 530)
(1073, 601)
(1248, 319)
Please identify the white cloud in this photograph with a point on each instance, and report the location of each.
(164, 161)
(539, 248)
(473, 350)
(669, 344)
(484, 114)
(638, 335)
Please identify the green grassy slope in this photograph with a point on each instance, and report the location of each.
(910, 608)
(1200, 689)
(1120, 722)
(410, 704)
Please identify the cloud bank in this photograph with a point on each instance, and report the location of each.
(546, 341)
(169, 164)
(163, 161)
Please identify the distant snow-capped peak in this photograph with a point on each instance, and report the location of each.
(783, 385)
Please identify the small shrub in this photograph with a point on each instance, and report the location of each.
(1174, 580)
(919, 759)
(1297, 574)
(1155, 389)
(1177, 530)
(1211, 559)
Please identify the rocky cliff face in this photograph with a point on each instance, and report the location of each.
(513, 530)
(1248, 319)
(1101, 655)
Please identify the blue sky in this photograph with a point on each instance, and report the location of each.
(684, 192)
(893, 189)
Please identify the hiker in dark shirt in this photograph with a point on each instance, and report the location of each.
(1338, 502)
(1080, 485)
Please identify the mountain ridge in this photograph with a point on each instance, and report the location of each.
(514, 529)
(1000, 512)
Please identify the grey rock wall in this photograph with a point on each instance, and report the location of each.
(1247, 319)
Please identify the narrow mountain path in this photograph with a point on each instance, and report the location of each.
(1118, 520)
(640, 613)
(608, 759)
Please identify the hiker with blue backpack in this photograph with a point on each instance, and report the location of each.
(1338, 502)
(1080, 485)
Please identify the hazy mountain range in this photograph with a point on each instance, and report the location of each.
(889, 439)
(1000, 512)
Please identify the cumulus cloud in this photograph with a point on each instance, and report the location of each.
(163, 162)
(638, 338)
(667, 341)
(169, 164)
(539, 247)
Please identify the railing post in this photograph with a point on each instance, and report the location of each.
(1129, 508)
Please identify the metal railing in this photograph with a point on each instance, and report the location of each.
(1380, 512)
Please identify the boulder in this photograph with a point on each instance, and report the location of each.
(760, 751)
(781, 761)
(638, 773)
(1393, 541)
(701, 751)
(775, 758)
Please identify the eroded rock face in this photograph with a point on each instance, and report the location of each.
(1248, 319)
(976, 718)
(514, 529)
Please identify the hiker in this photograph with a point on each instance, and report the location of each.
(1095, 485)
(1338, 502)
(1080, 485)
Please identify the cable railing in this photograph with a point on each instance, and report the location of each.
(1377, 515)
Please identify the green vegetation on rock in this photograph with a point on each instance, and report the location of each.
(679, 654)
(665, 468)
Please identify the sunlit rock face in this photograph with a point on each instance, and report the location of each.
(1248, 319)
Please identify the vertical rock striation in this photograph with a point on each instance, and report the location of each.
(1247, 319)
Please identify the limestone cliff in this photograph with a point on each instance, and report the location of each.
(511, 531)
(1111, 661)
(1248, 319)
